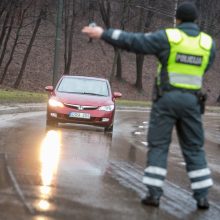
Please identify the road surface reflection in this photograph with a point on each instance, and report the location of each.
(49, 159)
(50, 155)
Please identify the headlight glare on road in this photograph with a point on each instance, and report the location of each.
(54, 103)
(107, 108)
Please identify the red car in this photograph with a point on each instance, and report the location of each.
(82, 100)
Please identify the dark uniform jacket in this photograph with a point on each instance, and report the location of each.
(151, 43)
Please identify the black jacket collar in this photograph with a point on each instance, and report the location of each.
(189, 28)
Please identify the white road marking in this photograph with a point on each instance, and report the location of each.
(137, 133)
(144, 143)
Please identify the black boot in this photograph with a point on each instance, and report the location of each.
(203, 203)
(150, 200)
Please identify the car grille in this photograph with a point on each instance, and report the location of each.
(80, 107)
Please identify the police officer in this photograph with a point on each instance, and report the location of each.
(185, 54)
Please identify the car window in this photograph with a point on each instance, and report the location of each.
(84, 86)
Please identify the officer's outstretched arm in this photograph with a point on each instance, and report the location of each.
(143, 43)
(151, 43)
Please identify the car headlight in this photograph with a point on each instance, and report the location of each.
(107, 108)
(54, 103)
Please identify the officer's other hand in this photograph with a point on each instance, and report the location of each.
(93, 32)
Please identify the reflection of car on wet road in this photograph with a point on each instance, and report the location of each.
(89, 175)
(83, 100)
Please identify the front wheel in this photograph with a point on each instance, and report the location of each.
(109, 128)
(51, 123)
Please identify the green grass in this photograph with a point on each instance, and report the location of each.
(10, 96)
(132, 103)
(17, 96)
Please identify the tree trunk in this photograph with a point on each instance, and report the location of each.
(70, 42)
(139, 68)
(3, 6)
(218, 99)
(20, 75)
(7, 37)
(140, 57)
(4, 27)
(83, 4)
(119, 66)
(14, 46)
(113, 65)
(66, 25)
(91, 10)
(105, 10)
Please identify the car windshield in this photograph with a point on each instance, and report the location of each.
(84, 86)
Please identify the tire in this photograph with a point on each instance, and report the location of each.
(109, 128)
(51, 123)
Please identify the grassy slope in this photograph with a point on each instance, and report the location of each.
(17, 96)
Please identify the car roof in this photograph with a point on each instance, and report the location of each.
(84, 77)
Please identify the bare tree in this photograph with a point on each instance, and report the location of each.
(218, 99)
(105, 10)
(5, 43)
(21, 72)
(4, 27)
(3, 6)
(145, 19)
(209, 18)
(209, 15)
(83, 6)
(68, 34)
(175, 8)
(20, 25)
(140, 57)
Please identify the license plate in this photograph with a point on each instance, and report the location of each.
(79, 115)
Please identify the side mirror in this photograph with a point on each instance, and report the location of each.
(49, 88)
(117, 95)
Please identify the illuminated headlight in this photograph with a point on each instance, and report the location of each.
(54, 103)
(108, 108)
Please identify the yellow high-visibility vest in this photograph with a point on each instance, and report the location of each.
(188, 59)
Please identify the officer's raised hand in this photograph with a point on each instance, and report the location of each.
(93, 32)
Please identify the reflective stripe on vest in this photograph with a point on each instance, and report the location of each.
(188, 59)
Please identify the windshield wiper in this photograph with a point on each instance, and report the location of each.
(91, 93)
(83, 93)
(71, 92)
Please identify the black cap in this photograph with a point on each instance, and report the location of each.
(187, 12)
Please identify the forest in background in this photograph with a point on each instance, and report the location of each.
(27, 42)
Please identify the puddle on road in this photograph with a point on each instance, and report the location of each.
(63, 157)
(79, 160)
(86, 153)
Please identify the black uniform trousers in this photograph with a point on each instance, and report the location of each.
(181, 110)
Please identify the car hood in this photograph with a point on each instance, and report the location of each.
(82, 99)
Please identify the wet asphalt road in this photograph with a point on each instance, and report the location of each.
(80, 172)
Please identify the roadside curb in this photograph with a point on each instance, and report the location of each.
(137, 108)
(21, 107)
(12, 108)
